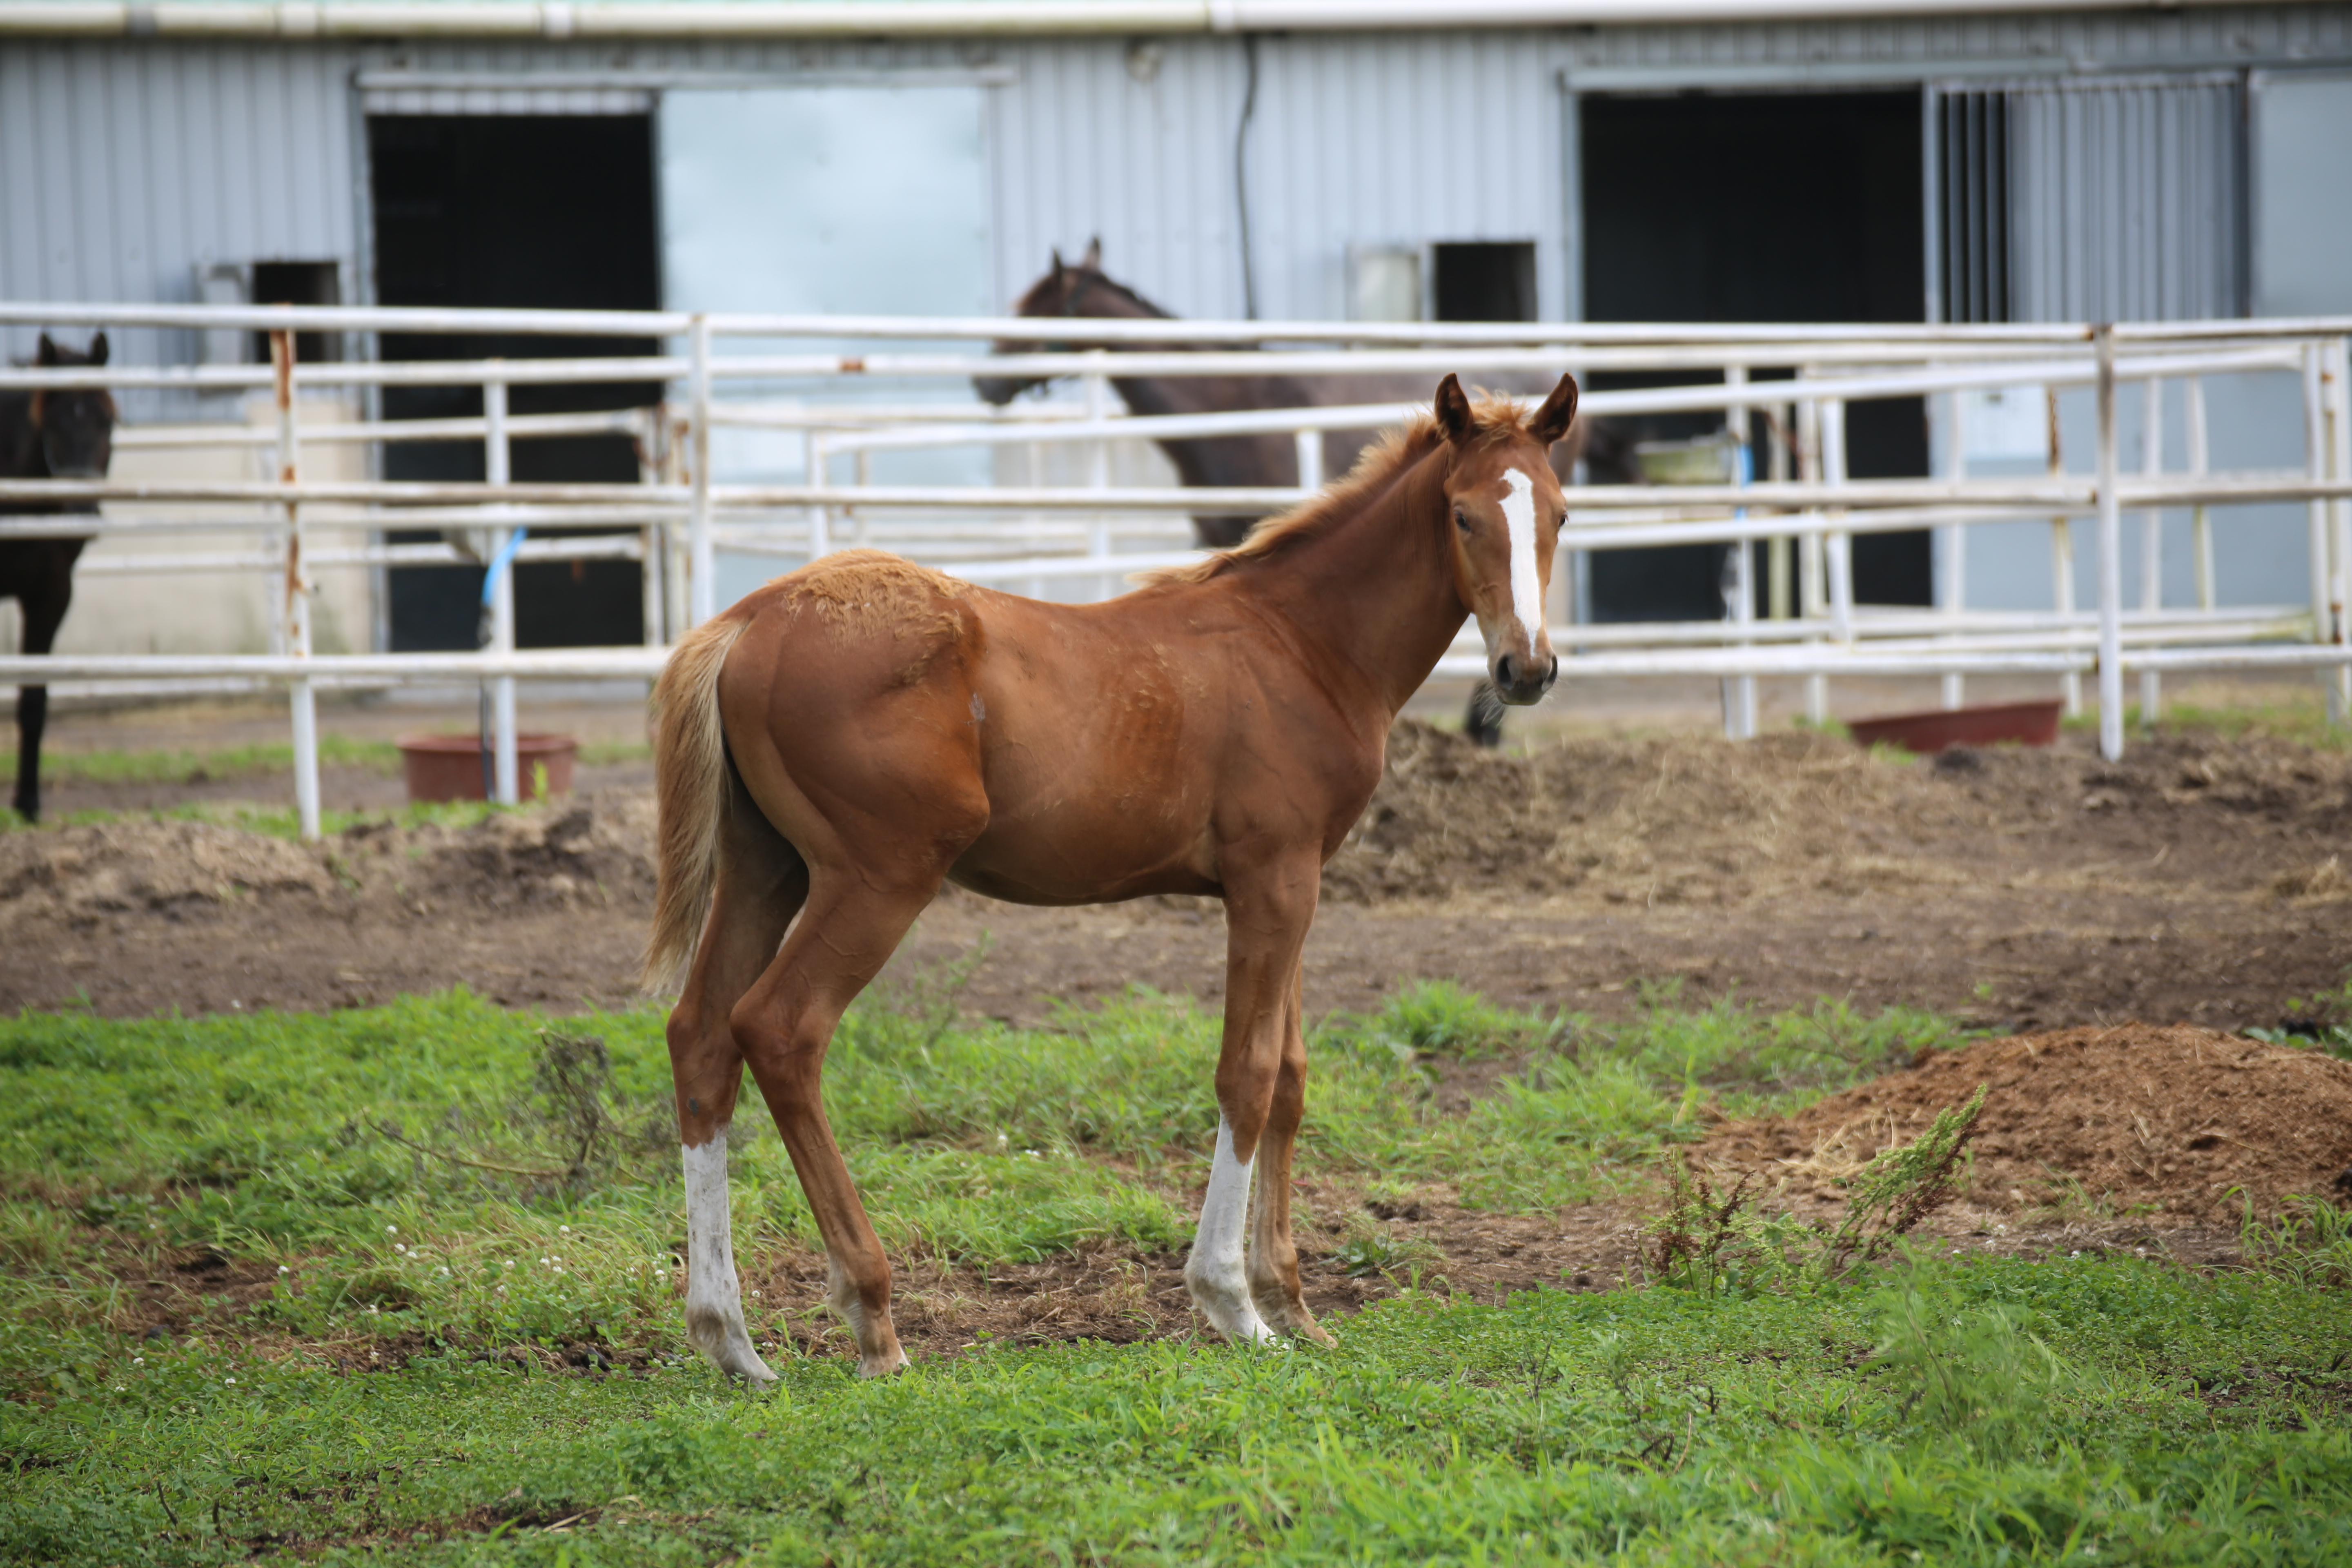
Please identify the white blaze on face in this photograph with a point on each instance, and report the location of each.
(1526, 588)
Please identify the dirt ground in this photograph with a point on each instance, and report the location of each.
(2198, 881)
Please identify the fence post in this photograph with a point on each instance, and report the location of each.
(302, 697)
(1813, 574)
(2339, 387)
(1780, 571)
(1739, 593)
(498, 469)
(701, 566)
(2201, 522)
(2315, 464)
(1098, 390)
(650, 551)
(1839, 545)
(1952, 571)
(2111, 557)
(820, 476)
(2151, 544)
(2062, 556)
(1310, 458)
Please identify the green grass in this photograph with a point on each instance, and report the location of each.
(262, 760)
(276, 821)
(182, 765)
(1946, 1410)
(1998, 1413)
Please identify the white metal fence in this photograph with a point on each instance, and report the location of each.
(680, 518)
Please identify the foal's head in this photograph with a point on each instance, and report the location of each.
(77, 426)
(1505, 510)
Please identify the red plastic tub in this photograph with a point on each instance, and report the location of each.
(449, 767)
(2026, 723)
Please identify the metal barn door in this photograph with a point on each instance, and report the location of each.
(2117, 201)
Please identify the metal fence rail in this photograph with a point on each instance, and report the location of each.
(679, 517)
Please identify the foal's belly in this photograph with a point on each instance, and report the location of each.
(1048, 861)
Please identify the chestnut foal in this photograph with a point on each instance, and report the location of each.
(846, 739)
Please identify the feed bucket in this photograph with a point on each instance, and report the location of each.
(449, 767)
(2025, 723)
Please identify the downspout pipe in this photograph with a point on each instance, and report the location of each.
(937, 18)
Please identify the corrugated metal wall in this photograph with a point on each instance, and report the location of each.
(123, 166)
(2125, 201)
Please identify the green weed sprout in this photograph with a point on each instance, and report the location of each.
(1709, 1241)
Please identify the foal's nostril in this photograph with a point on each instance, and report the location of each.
(1552, 671)
(1505, 672)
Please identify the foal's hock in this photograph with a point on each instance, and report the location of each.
(841, 741)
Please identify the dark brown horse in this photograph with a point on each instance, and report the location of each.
(841, 743)
(45, 434)
(1083, 290)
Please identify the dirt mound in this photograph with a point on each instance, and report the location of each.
(1694, 819)
(2134, 1118)
(84, 873)
(600, 850)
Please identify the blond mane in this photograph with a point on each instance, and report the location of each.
(1381, 464)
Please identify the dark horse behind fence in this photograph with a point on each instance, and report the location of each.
(47, 433)
(1082, 289)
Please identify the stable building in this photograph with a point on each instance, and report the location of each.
(1554, 160)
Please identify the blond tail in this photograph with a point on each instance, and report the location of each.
(691, 785)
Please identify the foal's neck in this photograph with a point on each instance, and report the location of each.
(1374, 592)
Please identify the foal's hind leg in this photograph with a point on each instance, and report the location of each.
(761, 882)
(855, 920)
(1272, 1256)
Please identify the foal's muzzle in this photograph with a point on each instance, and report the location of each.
(1520, 680)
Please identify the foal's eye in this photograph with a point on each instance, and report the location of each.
(1460, 519)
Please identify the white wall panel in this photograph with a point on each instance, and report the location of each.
(2302, 166)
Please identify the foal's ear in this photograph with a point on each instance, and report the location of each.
(98, 349)
(1092, 260)
(47, 353)
(1558, 413)
(1453, 408)
(1060, 266)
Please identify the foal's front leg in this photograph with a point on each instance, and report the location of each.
(1267, 917)
(1272, 1256)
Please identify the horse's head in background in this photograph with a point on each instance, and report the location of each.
(1070, 288)
(1506, 509)
(75, 426)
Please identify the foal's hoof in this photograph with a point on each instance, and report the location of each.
(882, 1365)
(730, 1350)
(1231, 1312)
(748, 1366)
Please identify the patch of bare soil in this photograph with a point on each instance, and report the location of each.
(2183, 1123)
(1121, 1296)
(2199, 880)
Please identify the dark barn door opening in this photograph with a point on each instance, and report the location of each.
(1757, 207)
(552, 211)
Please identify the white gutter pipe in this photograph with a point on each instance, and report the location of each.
(934, 18)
